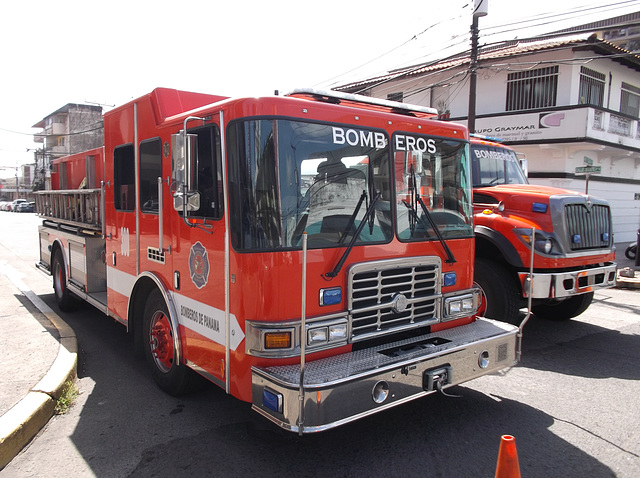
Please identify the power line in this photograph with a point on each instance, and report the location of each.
(499, 29)
(584, 11)
(43, 135)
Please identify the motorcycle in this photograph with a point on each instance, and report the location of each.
(630, 251)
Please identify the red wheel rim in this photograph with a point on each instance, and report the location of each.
(58, 280)
(161, 341)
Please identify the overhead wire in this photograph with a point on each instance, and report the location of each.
(498, 29)
(406, 42)
(528, 23)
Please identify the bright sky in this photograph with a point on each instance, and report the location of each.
(78, 51)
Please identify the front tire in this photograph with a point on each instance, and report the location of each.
(565, 309)
(158, 333)
(500, 296)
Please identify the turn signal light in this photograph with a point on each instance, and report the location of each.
(277, 340)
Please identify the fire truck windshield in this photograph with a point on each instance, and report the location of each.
(494, 165)
(287, 177)
(433, 174)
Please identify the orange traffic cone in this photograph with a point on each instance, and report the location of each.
(508, 466)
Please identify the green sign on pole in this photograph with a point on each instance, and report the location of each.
(589, 169)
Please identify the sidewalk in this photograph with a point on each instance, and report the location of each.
(39, 354)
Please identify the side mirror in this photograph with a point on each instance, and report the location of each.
(192, 202)
(184, 160)
(523, 163)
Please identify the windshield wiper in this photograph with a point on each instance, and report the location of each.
(353, 240)
(450, 259)
(415, 196)
(352, 219)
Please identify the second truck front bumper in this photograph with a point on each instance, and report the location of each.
(564, 284)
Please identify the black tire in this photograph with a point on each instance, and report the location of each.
(65, 300)
(565, 309)
(630, 252)
(500, 294)
(157, 338)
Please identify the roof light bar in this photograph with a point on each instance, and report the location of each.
(367, 100)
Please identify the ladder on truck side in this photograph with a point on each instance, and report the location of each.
(82, 208)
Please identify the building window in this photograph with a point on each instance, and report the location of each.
(630, 100)
(591, 87)
(532, 89)
(397, 96)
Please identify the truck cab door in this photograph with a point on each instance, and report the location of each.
(198, 237)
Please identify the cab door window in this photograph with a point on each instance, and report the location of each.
(124, 178)
(150, 171)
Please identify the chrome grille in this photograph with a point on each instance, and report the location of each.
(374, 294)
(588, 227)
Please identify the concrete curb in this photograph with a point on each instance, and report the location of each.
(24, 420)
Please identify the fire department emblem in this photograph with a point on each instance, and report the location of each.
(199, 265)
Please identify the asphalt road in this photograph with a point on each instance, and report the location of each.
(571, 403)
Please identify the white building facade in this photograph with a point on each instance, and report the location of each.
(567, 103)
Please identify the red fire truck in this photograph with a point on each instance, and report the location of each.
(573, 242)
(311, 253)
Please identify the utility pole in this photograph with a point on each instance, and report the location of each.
(480, 9)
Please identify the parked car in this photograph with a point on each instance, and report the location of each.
(3, 204)
(14, 204)
(25, 207)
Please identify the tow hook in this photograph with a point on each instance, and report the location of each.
(436, 379)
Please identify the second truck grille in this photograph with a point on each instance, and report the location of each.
(588, 228)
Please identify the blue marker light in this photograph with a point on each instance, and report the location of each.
(449, 279)
(272, 400)
(539, 207)
(330, 296)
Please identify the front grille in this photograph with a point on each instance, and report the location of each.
(588, 227)
(374, 295)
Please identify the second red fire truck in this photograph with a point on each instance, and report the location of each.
(311, 254)
(573, 244)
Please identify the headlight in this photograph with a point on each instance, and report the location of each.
(279, 340)
(461, 306)
(543, 243)
(326, 334)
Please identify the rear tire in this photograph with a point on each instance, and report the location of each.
(565, 309)
(500, 296)
(157, 336)
(65, 300)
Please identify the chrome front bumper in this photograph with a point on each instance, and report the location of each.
(565, 284)
(349, 386)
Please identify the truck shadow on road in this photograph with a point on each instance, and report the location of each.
(434, 436)
(582, 349)
(127, 427)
